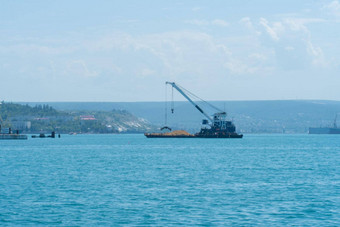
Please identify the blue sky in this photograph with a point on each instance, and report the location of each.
(126, 50)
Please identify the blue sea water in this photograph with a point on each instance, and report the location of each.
(265, 180)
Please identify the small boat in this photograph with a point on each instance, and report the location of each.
(42, 135)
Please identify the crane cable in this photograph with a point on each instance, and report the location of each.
(166, 106)
(192, 94)
(172, 100)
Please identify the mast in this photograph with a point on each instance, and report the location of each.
(334, 124)
(188, 98)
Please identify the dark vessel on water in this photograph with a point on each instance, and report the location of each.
(326, 130)
(213, 127)
(42, 135)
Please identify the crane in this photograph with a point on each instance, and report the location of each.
(174, 85)
(219, 126)
(213, 127)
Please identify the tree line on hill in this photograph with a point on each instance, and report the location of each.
(44, 118)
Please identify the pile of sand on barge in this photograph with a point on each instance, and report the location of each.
(176, 133)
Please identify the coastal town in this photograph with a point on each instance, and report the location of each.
(44, 118)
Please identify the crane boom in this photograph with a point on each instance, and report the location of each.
(189, 99)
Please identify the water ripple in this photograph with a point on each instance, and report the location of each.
(114, 180)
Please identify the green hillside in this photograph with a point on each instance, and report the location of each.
(45, 118)
(289, 116)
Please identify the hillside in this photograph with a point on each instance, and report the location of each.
(45, 118)
(289, 116)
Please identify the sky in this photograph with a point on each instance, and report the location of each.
(125, 51)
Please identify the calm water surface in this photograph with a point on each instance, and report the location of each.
(115, 180)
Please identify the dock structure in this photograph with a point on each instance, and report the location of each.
(9, 135)
(13, 137)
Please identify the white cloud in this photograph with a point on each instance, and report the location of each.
(316, 53)
(198, 22)
(217, 22)
(188, 52)
(289, 48)
(247, 22)
(240, 67)
(147, 72)
(220, 23)
(80, 68)
(195, 9)
(293, 39)
(198, 55)
(258, 57)
(333, 8)
(129, 48)
(273, 30)
(236, 67)
(35, 49)
(180, 55)
(300, 24)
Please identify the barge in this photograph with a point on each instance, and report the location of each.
(325, 130)
(197, 135)
(215, 126)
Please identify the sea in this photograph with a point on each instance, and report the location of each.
(130, 180)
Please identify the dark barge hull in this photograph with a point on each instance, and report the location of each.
(324, 131)
(220, 136)
(151, 135)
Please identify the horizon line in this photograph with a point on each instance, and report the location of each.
(245, 100)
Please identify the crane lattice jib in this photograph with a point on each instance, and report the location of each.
(189, 99)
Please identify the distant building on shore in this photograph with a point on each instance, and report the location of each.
(87, 118)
